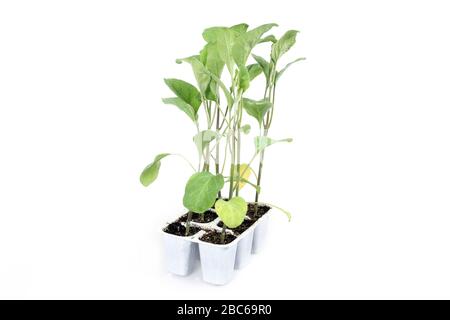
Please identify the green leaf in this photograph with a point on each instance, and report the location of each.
(257, 109)
(262, 142)
(201, 191)
(279, 73)
(185, 91)
(212, 61)
(270, 38)
(254, 35)
(223, 39)
(283, 45)
(244, 78)
(264, 65)
(246, 128)
(240, 28)
(183, 106)
(231, 212)
(203, 138)
(150, 173)
(244, 44)
(254, 70)
(200, 72)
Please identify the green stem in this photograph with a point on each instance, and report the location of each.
(206, 163)
(217, 161)
(258, 179)
(222, 235)
(238, 158)
(233, 143)
(261, 161)
(188, 223)
(184, 158)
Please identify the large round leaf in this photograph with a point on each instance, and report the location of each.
(232, 212)
(201, 191)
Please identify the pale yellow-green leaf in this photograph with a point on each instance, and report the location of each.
(244, 173)
(231, 212)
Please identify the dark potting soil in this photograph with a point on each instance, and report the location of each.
(262, 210)
(176, 228)
(214, 237)
(208, 216)
(239, 230)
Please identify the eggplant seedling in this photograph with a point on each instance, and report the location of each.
(215, 105)
(232, 213)
(263, 110)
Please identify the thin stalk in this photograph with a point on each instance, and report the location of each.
(188, 223)
(183, 157)
(222, 235)
(233, 144)
(216, 160)
(248, 166)
(206, 163)
(269, 92)
(233, 153)
(258, 179)
(238, 159)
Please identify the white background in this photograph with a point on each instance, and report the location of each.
(367, 177)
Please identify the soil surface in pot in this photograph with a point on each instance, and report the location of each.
(208, 216)
(214, 237)
(176, 228)
(239, 230)
(262, 210)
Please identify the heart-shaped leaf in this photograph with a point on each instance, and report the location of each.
(201, 191)
(150, 173)
(231, 212)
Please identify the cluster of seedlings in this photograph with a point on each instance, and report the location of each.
(219, 106)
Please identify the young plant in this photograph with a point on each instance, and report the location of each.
(263, 110)
(232, 213)
(200, 193)
(216, 110)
